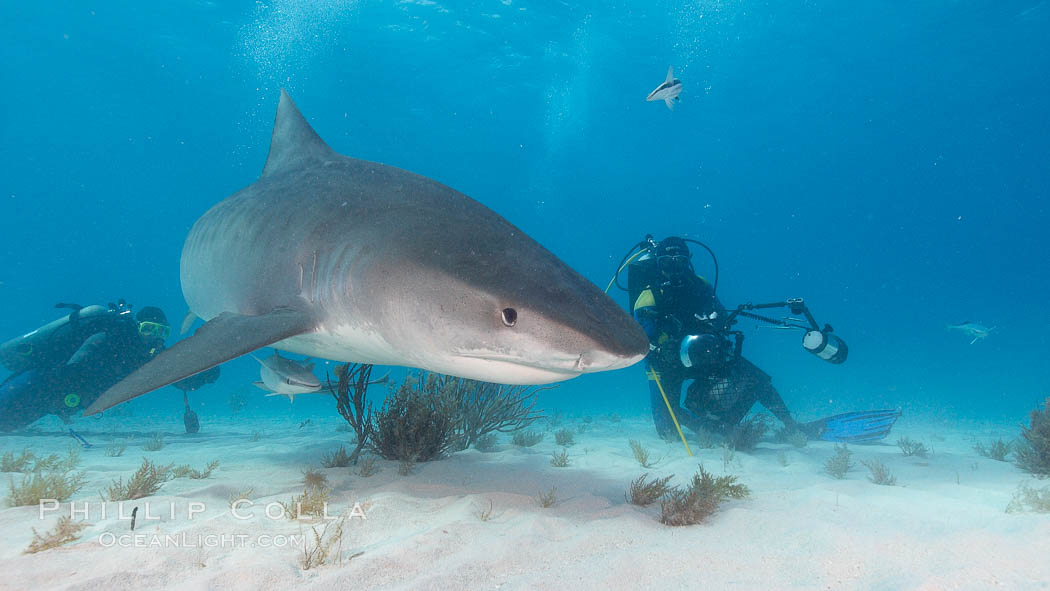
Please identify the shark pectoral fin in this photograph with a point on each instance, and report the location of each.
(975, 339)
(220, 339)
(187, 322)
(670, 103)
(262, 386)
(670, 75)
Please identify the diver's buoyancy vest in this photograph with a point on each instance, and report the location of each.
(57, 341)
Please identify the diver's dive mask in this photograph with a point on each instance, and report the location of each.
(674, 265)
(154, 329)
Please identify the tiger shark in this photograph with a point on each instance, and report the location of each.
(338, 258)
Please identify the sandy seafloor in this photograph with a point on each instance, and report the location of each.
(942, 527)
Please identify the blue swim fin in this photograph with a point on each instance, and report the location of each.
(863, 426)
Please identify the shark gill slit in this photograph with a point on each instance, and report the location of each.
(313, 294)
(300, 291)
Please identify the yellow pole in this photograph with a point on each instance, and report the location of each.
(655, 376)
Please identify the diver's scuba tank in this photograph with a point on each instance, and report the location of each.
(825, 345)
(49, 342)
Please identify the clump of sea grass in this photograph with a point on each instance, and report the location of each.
(1026, 498)
(72, 458)
(317, 554)
(146, 481)
(560, 460)
(745, 435)
(486, 443)
(9, 462)
(644, 493)
(1033, 450)
(485, 515)
(245, 495)
(547, 499)
(51, 484)
(368, 467)
(614, 418)
(48, 462)
(314, 478)
(641, 454)
(185, 471)
(405, 467)
(705, 439)
(337, 459)
(998, 450)
(700, 499)
(255, 436)
(65, 531)
(526, 438)
(728, 455)
(791, 435)
(840, 463)
(414, 424)
(116, 448)
(555, 419)
(879, 473)
(54, 462)
(912, 448)
(563, 437)
(313, 501)
(327, 547)
(154, 443)
(782, 458)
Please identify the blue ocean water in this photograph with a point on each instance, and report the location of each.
(886, 161)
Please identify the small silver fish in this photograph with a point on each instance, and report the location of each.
(972, 329)
(668, 91)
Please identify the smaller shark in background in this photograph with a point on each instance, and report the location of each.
(972, 329)
(286, 377)
(668, 91)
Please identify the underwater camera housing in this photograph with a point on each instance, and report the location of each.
(818, 341)
(825, 345)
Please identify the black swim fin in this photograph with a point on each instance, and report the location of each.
(863, 426)
(220, 339)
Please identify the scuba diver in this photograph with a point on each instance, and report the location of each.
(62, 367)
(693, 344)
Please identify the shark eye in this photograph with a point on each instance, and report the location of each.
(510, 316)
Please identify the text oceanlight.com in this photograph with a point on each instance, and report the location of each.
(184, 540)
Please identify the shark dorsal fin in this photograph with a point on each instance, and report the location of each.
(294, 142)
(670, 77)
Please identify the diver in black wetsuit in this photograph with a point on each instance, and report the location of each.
(678, 311)
(692, 344)
(61, 368)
